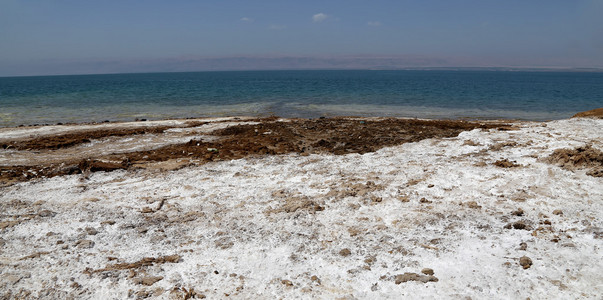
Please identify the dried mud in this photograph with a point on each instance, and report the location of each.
(268, 136)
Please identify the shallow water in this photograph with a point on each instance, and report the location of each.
(423, 94)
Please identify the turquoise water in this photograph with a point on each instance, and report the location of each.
(308, 94)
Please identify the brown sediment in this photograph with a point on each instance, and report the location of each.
(145, 262)
(585, 157)
(268, 136)
(72, 139)
(594, 113)
(80, 137)
(505, 163)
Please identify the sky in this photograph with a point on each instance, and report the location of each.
(80, 36)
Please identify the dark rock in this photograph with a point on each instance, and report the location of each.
(424, 200)
(427, 271)
(520, 225)
(84, 244)
(148, 281)
(505, 163)
(518, 212)
(46, 213)
(91, 231)
(287, 282)
(345, 252)
(525, 262)
(414, 277)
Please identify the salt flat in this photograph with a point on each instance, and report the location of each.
(364, 226)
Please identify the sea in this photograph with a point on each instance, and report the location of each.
(441, 94)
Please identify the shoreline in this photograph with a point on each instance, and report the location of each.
(594, 113)
(261, 116)
(49, 151)
(297, 208)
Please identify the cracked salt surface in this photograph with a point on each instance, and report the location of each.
(279, 226)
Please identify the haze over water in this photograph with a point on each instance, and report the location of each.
(308, 94)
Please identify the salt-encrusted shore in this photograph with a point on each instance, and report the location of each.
(495, 210)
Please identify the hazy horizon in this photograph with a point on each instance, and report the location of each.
(76, 37)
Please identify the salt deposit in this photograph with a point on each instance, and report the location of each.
(321, 226)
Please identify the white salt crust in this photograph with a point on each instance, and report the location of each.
(227, 218)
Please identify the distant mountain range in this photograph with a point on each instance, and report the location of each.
(273, 62)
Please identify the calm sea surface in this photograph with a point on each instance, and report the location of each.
(308, 94)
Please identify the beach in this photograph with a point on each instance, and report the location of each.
(342, 207)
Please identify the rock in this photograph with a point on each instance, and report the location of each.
(472, 204)
(376, 199)
(345, 252)
(143, 294)
(148, 280)
(146, 210)
(525, 262)
(84, 244)
(91, 231)
(414, 277)
(523, 246)
(558, 212)
(183, 293)
(427, 271)
(287, 282)
(505, 163)
(520, 225)
(315, 278)
(75, 285)
(293, 204)
(403, 198)
(370, 260)
(424, 200)
(518, 212)
(46, 213)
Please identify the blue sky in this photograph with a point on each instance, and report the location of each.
(53, 37)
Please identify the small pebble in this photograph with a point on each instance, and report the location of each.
(427, 271)
(345, 252)
(525, 262)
